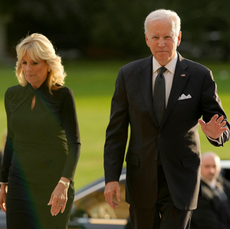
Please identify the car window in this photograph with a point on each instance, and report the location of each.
(95, 206)
(226, 173)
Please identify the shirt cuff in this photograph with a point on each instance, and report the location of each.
(218, 140)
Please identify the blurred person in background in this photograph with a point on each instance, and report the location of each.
(213, 210)
(43, 142)
(162, 99)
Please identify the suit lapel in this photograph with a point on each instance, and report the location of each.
(145, 80)
(180, 79)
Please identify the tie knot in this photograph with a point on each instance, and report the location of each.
(162, 70)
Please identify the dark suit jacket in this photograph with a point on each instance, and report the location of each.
(176, 139)
(211, 212)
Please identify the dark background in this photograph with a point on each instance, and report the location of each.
(114, 28)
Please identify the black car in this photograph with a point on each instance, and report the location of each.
(91, 211)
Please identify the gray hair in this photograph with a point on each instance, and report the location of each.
(163, 14)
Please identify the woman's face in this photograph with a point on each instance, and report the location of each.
(35, 71)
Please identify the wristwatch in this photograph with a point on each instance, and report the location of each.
(64, 183)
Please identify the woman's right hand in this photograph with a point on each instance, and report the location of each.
(3, 193)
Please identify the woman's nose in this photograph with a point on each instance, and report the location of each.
(27, 67)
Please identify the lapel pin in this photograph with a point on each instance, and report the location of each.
(182, 75)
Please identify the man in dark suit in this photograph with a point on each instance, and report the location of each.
(163, 154)
(213, 209)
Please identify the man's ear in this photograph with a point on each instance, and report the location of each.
(179, 38)
(146, 39)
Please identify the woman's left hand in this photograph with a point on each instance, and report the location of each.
(59, 198)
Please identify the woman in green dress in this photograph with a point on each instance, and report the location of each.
(43, 142)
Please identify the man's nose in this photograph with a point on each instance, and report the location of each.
(212, 170)
(161, 42)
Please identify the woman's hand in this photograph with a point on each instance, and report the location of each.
(3, 193)
(59, 198)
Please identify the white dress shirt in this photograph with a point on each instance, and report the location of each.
(211, 184)
(169, 74)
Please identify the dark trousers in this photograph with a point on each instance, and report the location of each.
(164, 215)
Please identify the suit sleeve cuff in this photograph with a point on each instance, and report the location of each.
(217, 140)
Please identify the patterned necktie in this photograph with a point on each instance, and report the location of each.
(159, 95)
(220, 192)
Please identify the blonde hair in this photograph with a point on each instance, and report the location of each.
(162, 14)
(39, 47)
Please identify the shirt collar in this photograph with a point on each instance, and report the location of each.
(171, 66)
(211, 184)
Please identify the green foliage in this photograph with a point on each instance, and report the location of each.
(93, 84)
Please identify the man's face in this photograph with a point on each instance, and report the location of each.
(162, 41)
(210, 167)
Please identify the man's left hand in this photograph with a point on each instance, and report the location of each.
(214, 128)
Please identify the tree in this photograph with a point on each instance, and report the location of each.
(56, 19)
(115, 28)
